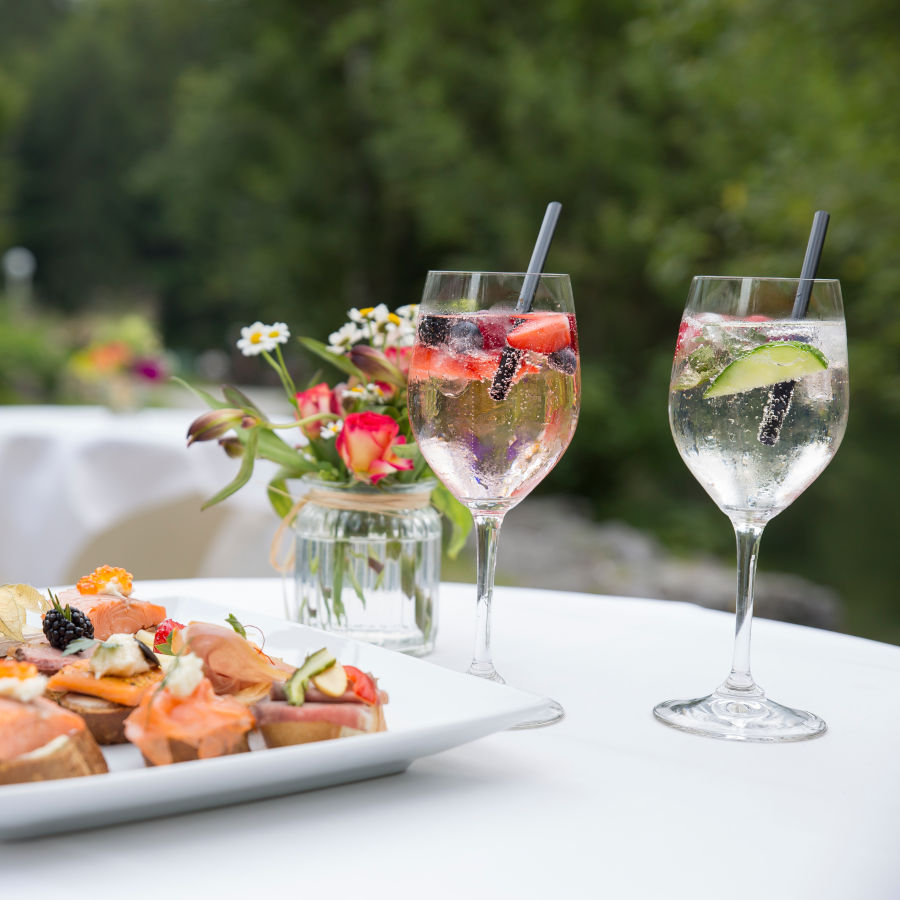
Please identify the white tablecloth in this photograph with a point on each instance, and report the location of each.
(608, 803)
(82, 486)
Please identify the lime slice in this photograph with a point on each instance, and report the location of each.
(765, 365)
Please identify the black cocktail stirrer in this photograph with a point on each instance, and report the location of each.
(510, 358)
(779, 399)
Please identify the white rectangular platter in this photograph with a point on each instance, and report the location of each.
(430, 709)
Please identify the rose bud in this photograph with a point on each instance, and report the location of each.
(214, 424)
(232, 447)
(318, 399)
(399, 357)
(366, 443)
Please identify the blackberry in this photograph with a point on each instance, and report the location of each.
(510, 359)
(62, 626)
(433, 330)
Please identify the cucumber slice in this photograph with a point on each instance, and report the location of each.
(295, 686)
(767, 364)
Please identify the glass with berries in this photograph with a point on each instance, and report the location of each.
(493, 401)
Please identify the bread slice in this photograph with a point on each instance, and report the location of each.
(184, 752)
(66, 756)
(287, 733)
(105, 720)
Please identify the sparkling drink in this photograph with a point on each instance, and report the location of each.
(487, 450)
(722, 438)
(758, 406)
(494, 388)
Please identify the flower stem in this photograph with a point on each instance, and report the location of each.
(279, 367)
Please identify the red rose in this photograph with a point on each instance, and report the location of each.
(318, 399)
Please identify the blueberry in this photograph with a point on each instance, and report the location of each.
(465, 336)
(563, 361)
(433, 330)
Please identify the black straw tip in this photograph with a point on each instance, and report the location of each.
(539, 256)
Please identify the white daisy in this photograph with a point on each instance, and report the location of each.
(345, 337)
(255, 339)
(380, 313)
(331, 430)
(278, 333)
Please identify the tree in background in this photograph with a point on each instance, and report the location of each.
(235, 160)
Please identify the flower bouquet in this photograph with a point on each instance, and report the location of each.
(119, 360)
(368, 520)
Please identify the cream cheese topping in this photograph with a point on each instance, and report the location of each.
(23, 689)
(184, 676)
(119, 654)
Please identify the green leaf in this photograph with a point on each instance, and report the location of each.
(244, 473)
(338, 360)
(355, 582)
(457, 515)
(232, 620)
(409, 450)
(279, 497)
(165, 647)
(206, 397)
(277, 450)
(408, 575)
(423, 613)
(239, 398)
(79, 644)
(337, 579)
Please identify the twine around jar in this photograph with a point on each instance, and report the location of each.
(368, 501)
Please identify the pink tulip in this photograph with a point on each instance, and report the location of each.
(318, 399)
(365, 444)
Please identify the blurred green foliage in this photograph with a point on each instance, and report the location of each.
(277, 159)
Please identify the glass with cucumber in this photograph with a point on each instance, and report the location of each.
(758, 406)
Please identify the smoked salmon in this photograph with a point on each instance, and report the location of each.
(126, 690)
(168, 728)
(26, 726)
(105, 596)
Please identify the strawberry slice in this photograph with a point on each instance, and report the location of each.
(541, 332)
(430, 362)
(162, 640)
(361, 685)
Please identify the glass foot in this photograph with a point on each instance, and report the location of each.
(552, 712)
(740, 715)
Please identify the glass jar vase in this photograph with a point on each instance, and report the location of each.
(368, 563)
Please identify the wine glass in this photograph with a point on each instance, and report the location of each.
(493, 401)
(758, 407)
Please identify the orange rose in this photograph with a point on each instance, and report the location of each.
(366, 443)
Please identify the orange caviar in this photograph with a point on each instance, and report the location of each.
(10, 668)
(101, 578)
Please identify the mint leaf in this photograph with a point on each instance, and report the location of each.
(79, 644)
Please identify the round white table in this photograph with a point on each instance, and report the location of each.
(607, 803)
(81, 486)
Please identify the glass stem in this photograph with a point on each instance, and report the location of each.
(487, 531)
(748, 537)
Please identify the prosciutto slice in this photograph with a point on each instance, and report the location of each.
(358, 716)
(46, 659)
(233, 664)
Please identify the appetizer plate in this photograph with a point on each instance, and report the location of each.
(430, 709)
